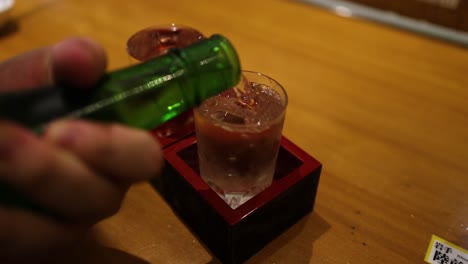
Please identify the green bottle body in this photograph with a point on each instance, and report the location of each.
(151, 93)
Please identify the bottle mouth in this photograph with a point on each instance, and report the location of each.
(232, 57)
(216, 65)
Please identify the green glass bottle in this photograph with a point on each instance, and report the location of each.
(164, 87)
(144, 95)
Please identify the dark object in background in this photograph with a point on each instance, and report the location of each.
(448, 13)
(446, 20)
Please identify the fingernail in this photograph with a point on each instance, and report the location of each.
(78, 62)
(64, 133)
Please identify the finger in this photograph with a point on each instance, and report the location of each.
(31, 69)
(123, 154)
(54, 178)
(76, 61)
(29, 236)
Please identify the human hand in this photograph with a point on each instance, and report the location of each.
(78, 171)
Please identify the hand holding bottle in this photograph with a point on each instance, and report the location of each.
(78, 171)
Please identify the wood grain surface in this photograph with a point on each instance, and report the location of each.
(384, 110)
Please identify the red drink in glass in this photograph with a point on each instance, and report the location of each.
(238, 134)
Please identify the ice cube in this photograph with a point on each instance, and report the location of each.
(228, 117)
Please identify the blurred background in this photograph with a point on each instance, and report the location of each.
(383, 108)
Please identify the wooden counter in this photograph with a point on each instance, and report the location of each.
(384, 110)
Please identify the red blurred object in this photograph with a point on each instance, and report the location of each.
(175, 129)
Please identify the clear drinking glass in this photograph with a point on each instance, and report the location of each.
(238, 136)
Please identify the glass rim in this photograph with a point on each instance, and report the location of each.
(286, 98)
(266, 125)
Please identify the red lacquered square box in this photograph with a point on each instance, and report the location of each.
(233, 236)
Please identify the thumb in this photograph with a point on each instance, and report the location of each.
(77, 62)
